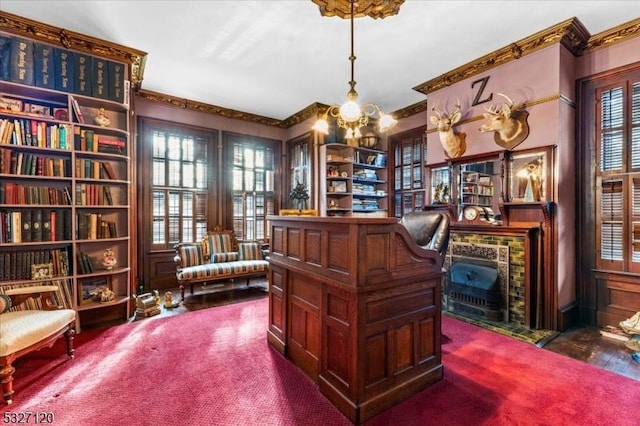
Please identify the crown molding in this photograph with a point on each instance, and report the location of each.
(207, 108)
(621, 33)
(570, 33)
(410, 110)
(372, 8)
(39, 31)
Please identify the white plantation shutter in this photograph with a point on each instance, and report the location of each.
(611, 135)
(635, 125)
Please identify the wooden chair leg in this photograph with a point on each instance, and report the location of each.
(6, 377)
(69, 336)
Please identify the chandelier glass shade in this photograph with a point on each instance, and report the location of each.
(351, 116)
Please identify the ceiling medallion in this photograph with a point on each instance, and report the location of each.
(373, 8)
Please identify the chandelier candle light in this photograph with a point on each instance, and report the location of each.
(350, 115)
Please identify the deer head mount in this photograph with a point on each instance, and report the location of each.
(508, 122)
(454, 144)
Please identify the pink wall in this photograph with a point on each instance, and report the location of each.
(609, 58)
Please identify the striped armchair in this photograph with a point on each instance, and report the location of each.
(218, 257)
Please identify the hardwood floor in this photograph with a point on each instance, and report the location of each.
(582, 343)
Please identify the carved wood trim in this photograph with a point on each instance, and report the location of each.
(571, 33)
(39, 31)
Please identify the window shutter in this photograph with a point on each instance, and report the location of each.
(611, 135)
(635, 125)
(611, 213)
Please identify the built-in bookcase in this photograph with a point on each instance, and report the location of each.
(65, 190)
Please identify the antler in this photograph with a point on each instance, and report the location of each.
(506, 97)
(438, 113)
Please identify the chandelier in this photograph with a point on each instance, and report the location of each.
(350, 116)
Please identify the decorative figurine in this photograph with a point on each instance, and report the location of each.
(109, 259)
(101, 119)
(105, 294)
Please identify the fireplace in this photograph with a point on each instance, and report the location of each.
(477, 284)
(474, 290)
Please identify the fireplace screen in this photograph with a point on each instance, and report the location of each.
(478, 281)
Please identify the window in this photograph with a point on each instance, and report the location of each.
(618, 176)
(299, 156)
(253, 187)
(408, 167)
(179, 187)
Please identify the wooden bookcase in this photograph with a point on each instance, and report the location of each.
(66, 176)
(355, 182)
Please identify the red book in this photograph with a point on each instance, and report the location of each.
(53, 225)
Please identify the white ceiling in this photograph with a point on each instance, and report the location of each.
(274, 58)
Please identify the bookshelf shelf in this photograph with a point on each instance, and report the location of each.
(69, 178)
(355, 182)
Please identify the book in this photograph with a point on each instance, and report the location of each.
(79, 115)
(615, 333)
(100, 79)
(26, 226)
(5, 57)
(108, 169)
(64, 64)
(115, 77)
(46, 225)
(36, 225)
(21, 63)
(83, 74)
(43, 65)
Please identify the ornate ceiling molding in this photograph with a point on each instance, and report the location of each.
(314, 110)
(39, 31)
(571, 33)
(410, 110)
(612, 36)
(207, 108)
(372, 8)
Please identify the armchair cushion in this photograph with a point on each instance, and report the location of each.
(224, 257)
(21, 329)
(250, 251)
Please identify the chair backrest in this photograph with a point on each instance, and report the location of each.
(220, 246)
(429, 229)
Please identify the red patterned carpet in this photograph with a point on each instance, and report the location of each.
(214, 367)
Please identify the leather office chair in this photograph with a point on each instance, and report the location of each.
(429, 229)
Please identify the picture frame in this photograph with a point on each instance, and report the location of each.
(90, 288)
(42, 271)
(339, 186)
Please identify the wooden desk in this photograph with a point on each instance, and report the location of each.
(355, 304)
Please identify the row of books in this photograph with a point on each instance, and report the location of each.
(91, 226)
(28, 132)
(62, 297)
(16, 264)
(85, 263)
(17, 194)
(39, 64)
(88, 140)
(35, 225)
(94, 169)
(93, 195)
(28, 164)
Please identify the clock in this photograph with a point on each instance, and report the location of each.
(473, 214)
